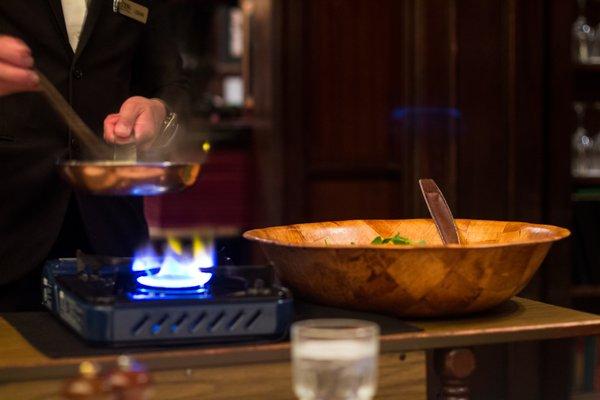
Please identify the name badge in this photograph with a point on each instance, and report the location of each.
(131, 9)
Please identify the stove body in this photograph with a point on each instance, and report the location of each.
(106, 305)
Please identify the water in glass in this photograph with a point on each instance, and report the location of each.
(335, 369)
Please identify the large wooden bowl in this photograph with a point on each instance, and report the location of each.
(334, 263)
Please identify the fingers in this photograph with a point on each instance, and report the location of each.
(109, 128)
(17, 77)
(139, 120)
(145, 129)
(15, 52)
(128, 114)
(15, 67)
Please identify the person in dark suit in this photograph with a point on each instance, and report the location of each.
(123, 77)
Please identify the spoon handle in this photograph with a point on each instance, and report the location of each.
(440, 212)
(70, 117)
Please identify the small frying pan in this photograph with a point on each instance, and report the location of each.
(114, 178)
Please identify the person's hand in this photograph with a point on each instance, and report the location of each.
(16, 62)
(139, 120)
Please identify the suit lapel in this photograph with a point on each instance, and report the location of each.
(94, 11)
(59, 20)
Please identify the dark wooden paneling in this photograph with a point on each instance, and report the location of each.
(482, 92)
(434, 102)
(341, 83)
(447, 90)
(348, 48)
(292, 98)
(526, 201)
(351, 199)
(265, 74)
(557, 160)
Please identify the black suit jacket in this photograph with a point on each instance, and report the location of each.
(117, 57)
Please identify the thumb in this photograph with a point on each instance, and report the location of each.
(127, 117)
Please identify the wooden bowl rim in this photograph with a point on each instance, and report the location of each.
(558, 234)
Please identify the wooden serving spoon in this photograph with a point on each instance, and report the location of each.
(440, 212)
(87, 137)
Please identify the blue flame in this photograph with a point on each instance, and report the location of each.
(148, 190)
(176, 269)
(175, 273)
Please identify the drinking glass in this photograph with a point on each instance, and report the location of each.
(581, 144)
(582, 36)
(335, 359)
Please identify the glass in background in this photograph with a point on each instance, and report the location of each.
(335, 359)
(582, 145)
(583, 37)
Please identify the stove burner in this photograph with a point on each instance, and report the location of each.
(149, 293)
(181, 266)
(173, 275)
(165, 281)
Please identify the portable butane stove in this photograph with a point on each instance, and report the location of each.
(110, 302)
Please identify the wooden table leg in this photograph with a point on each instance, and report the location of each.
(453, 367)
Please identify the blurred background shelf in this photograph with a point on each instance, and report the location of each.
(586, 68)
(586, 291)
(587, 181)
(585, 396)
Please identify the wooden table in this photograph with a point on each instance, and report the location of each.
(263, 372)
